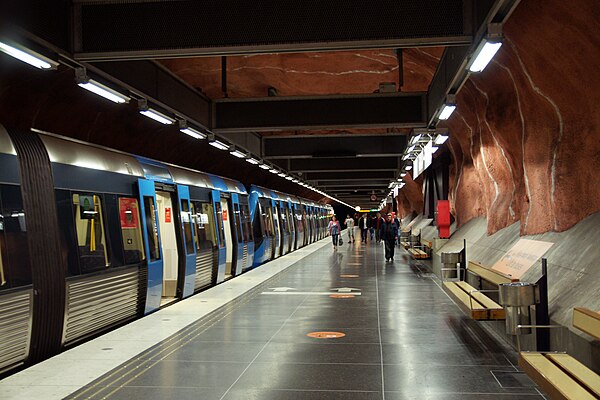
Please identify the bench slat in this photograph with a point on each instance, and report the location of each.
(489, 274)
(551, 378)
(587, 321)
(480, 297)
(579, 371)
(477, 311)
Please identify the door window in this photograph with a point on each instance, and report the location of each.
(151, 227)
(204, 224)
(89, 225)
(131, 230)
(220, 226)
(238, 223)
(186, 221)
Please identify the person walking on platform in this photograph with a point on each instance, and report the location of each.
(377, 226)
(350, 226)
(363, 224)
(389, 234)
(334, 231)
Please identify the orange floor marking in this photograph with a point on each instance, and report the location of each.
(326, 335)
(348, 276)
(342, 296)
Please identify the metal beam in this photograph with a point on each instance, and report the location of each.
(333, 146)
(142, 29)
(344, 175)
(348, 165)
(354, 183)
(382, 110)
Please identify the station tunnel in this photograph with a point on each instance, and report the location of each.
(277, 116)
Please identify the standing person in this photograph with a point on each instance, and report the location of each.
(389, 235)
(377, 225)
(350, 226)
(363, 224)
(396, 222)
(334, 231)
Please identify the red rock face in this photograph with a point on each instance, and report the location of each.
(297, 74)
(525, 136)
(410, 198)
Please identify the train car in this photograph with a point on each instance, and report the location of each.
(91, 238)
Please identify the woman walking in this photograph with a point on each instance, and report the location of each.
(334, 231)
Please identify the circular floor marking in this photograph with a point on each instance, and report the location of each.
(326, 335)
(342, 296)
(348, 276)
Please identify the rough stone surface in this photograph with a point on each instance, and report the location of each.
(524, 138)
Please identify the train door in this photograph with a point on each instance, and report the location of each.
(283, 223)
(188, 266)
(151, 233)
(222, 243)
(275, 216)
(168, 236)
(291, 227)
(236, 227)
(230, 242)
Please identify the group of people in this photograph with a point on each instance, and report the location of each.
(385, 230)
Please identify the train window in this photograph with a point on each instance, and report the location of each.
(89, 225)
(15, 269)
(204, 223)
(259, 224)
(186, 221)
(131, 230)
(238, 223)
(268, 221)
(151, 227)
(220, 226)
(299, 224)
(284, 224)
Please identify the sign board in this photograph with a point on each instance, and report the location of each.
(128, 212)
(167, 215)
(521, 257)
(224, 215)
(373, 197)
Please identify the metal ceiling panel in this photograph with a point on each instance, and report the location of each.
(152, 29)
(384, 110)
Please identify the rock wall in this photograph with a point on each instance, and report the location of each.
(525, 138)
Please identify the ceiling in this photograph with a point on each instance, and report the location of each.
(326, 91)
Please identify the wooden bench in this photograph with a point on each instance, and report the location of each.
(472, 300)
(559, 374)
(417, 253)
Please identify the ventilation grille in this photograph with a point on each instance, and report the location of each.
(98, 302)
(15, 328)
(136, 25)
(245, 257)
(204, 268)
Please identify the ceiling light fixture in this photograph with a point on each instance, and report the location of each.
(28, 56)
(151, 113)
(236, 152)
(188, 130)
(214, 142)
(98, 88)
(487, 48)
(440, 139)
(252, 160)
(448, 108)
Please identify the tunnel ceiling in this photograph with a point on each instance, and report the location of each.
(303, 96)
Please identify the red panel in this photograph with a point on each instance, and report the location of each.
(443, 218)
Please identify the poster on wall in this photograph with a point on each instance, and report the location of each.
(522, 256)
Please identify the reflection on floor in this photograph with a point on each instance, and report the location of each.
(380, 330)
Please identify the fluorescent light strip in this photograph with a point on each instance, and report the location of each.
(252, 161)
(193, 133)
(238, 154)
(218, 144)
(415, 139)
(274, 171)
(28, 56)
(289, 178)
(447, 111)
(434, 149)
(104, 91)
(441, 139)
(408, 167)
(485, 55)
(281, 174)
(403, 174)
(410, 149)
(157, 116)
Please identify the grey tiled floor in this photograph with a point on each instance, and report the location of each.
(405, 339)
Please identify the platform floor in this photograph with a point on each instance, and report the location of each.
(247, 339)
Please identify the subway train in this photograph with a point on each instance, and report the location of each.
(91, 238)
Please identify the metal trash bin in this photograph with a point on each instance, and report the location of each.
(517, 299)
(451, 262)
